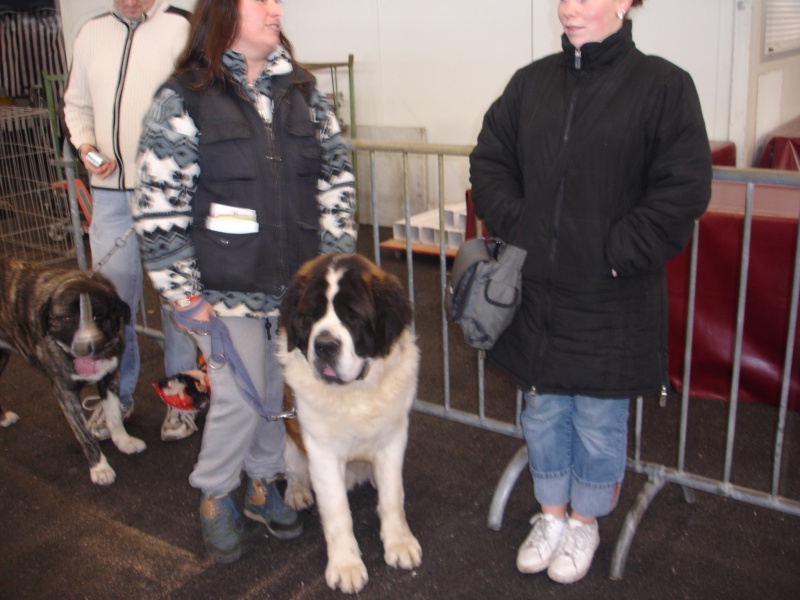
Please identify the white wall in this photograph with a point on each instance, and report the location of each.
(438, 64)
(774, 88)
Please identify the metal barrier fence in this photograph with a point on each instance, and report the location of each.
(34, 215)
(658, 474)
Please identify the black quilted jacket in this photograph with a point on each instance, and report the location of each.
(598, 225)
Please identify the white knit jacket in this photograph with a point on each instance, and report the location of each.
(116, 70)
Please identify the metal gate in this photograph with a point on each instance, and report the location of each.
(35, 219)
(658, 472)
(475, 410)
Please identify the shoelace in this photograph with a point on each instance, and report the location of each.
(220, 523)
(541, 527)
(575, 538)
(92, 402)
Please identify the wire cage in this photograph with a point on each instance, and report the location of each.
(35, 221)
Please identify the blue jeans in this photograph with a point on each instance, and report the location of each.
(577, 449)
(111, 219)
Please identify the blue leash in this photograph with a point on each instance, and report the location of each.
(222, 352)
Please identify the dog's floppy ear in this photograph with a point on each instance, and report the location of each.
(44, 317)
(122, 309)
(117, 305)
(393, 312)
(288, 319)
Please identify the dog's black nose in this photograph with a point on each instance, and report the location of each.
(326, 346)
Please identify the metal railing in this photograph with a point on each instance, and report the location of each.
(657, 474)
(34, 216)
(439, 151)
(333, 72)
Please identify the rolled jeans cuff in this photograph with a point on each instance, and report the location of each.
(587, 499)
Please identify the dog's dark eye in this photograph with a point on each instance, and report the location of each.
(350, 318)
(67, 318)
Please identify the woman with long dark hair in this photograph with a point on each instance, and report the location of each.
(243, 177)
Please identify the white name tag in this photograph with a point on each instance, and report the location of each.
(231, 219)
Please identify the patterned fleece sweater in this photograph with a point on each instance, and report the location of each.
(162, 205)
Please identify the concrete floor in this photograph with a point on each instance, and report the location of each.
(63, 537)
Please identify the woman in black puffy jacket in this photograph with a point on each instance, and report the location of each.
(597, 162)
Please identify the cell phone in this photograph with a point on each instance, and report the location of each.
(96, 159)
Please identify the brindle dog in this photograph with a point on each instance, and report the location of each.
(70, 324)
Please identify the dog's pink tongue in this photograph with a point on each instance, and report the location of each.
(85, 366)
(328, 372)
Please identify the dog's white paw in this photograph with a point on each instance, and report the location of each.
(8, 419)
(404, 552)
(297, 495)
(102, 473)
(130, 445)
(349, 576)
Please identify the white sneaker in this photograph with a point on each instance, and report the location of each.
(97, 422)
(538, 548)
(574, 556)
(178, 424)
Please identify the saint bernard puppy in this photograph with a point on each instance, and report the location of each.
(70, 324)
(351, 361)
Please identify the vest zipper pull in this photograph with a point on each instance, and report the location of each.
(578, 59)
(268, 327)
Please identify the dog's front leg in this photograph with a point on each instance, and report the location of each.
(124, 442)
(298, 485)
(99, 469)
(401, 548)
(345, 569)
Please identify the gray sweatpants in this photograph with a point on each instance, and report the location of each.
(235, 437)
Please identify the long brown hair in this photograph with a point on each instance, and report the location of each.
(214, 27)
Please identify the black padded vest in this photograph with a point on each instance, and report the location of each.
(273, 170)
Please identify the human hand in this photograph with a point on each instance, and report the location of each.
(104, 170)
(194, 308)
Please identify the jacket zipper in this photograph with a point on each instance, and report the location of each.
(273, 151)
(578, 59)
(551, 258)
(274, 159)
(662, 398)
(116, 126)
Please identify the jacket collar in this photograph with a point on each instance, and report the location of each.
(278, 63)
(596, 55)
(158, 5)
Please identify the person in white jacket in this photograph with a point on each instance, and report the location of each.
(120, 58)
